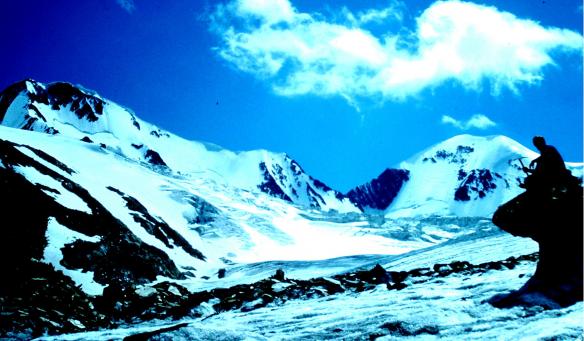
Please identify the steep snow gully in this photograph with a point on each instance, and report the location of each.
(114, 228)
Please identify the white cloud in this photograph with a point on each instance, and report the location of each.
(392, 11)
(270, 11)
(305, 53)
(477, 121)
(127, 5)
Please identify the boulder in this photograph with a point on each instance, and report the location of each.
(554, 219)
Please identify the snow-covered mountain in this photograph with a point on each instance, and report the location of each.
(73, 111)
(109, 220)
(463, 176)
(93, 183)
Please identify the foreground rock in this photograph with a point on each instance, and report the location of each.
(52, 304)
(554, 219)
(36, 298)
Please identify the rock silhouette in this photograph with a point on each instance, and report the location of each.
(553, 217)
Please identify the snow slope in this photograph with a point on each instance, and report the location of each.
(208, 208)
(226, 224)
(440, 307)
(68, 110)
(464, 176)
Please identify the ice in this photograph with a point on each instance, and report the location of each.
(13, 117)
(452, 308)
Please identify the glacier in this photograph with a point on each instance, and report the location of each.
(99, 202)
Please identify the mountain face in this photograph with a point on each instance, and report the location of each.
(463, 176)
(67, 110)
(108, 219)
(379, 193)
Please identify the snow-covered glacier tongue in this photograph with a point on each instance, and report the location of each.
(114, 227)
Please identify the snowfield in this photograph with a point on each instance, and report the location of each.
(245, 226)
(212, 218)
(450, 307)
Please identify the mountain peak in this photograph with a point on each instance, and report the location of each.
(72, 111)
(463, 175)
(51, 108)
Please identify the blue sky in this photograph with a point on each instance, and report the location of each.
(347, 88)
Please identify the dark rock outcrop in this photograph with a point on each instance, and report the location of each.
(37, 300)
(553, 217)
(279, 289)
(84, 105)
(457, 156)
(156, 226)
(321, 185)
(10, 93)
(270, 185)
(149, 335)
(289, 182)
(401, 329)
(154, 158)
(40, 308)
(475, 184)
(116, 257)
(380, 192)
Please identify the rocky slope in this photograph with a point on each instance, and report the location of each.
(64, 109)
(379, 193)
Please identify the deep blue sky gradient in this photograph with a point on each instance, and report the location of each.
(159, 61)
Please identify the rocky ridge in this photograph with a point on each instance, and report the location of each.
(124, 304)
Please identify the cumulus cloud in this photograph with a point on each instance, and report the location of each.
(269, 11)
(477, 121)
(392, 12)
(308, 53)
(127, 5)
